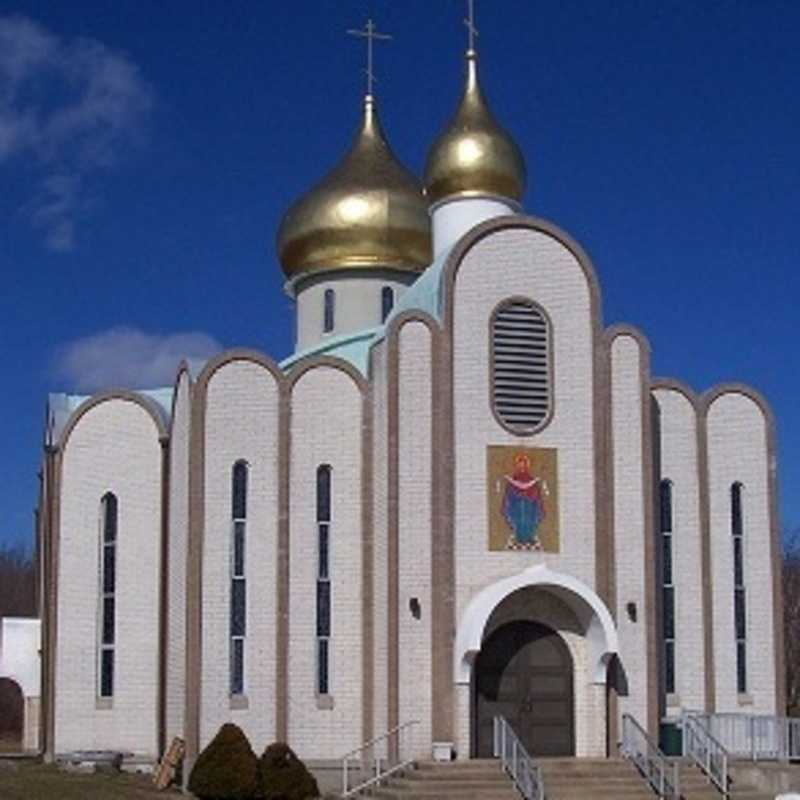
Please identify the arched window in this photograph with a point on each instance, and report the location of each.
(521, 369)
(109, 516)
(238, 620)
(739, 598)
(329, 311)
(387, 302)
(667, 583)
(323, 578)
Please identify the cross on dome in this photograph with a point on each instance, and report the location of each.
(370, 33)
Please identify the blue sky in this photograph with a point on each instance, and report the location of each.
(148, 151)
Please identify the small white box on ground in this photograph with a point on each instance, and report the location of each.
(442, 751)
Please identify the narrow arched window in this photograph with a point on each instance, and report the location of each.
(238, 617)
(329, 311)
(109, 515)
(387, 302)
(667, 583)
(323, 578)
(521, 370)
(739, 593)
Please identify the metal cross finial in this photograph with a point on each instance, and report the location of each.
(470, 23)
(370, 33)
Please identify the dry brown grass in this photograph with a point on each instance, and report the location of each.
(28, 780)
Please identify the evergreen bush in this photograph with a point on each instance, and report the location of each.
(227, 769)
(284, 776)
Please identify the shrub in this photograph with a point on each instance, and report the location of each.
(227, 769)
(284, 776)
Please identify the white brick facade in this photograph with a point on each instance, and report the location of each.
(284, 424)
(627, 425)
(326, 419)
(737, 452)
(678, 451)
(415, 441)
(114, 447)
(242, 410)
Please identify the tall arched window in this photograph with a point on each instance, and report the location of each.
(521, 369)
(238, 620)
(739, 599)
(323, 578)
(328, 311)
(109, 515)
(667, 583)
(387, 302)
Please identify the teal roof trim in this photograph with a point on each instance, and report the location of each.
(352, 347)
(425, 294)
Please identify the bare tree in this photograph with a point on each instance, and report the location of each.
(17, 582)
(791, 618)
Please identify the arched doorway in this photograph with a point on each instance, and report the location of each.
(12, 716)
(524, 672)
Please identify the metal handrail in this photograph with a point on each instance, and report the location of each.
(527, 776)
(708, 753)
(754, 737)
(383, 765)
(659, 771)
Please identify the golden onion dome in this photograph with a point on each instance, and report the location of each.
(474, 156)
(368, 212)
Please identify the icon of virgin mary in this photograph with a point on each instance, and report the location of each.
(523, 505)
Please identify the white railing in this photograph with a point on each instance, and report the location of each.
(660, 772)
(377, 759)
(516, 762)
(754, 737)
(704, 749)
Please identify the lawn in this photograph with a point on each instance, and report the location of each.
(28, 780)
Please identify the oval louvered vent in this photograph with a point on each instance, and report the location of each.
(521, 366)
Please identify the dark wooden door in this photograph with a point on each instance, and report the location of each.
(524, 673)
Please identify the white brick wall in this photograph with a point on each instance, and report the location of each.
(629, 521)
(678, 423)
(380, 533)
(178, 536)
(737, 452)
(241, 424)
(529, 263)
(113, 448)
(325, 429)
(415, 479)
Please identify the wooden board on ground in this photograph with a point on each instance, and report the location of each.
(165, 772)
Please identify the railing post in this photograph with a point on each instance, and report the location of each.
(752, 727)
(514, 756)
(344, 777)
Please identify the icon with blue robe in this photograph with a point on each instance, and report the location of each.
(523, 505)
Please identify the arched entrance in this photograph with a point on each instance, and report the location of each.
(12, 716)
(524, 672)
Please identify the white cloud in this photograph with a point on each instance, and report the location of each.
(129, 358)
(72, 108)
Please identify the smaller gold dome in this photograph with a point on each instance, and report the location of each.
(474, 156)
(368, 212)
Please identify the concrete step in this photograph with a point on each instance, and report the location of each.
(564, 779)
(696, 786)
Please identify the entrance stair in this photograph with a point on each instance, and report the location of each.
(564, 779)
(482, 779)
(595, 778)
(696, 786)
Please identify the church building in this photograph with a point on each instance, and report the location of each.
(463, 495)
